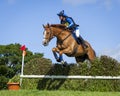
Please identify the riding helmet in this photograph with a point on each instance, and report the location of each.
(61, 13)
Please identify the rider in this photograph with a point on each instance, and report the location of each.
(71, 25)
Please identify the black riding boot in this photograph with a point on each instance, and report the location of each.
(81, 41)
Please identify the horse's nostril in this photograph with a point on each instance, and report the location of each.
(45, 43)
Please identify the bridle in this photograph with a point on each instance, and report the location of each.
(51, 33)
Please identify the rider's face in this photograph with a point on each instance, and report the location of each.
(61, 17)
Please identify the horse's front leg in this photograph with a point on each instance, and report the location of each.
(55, 51)
(61, 52)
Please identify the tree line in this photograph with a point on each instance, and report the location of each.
(11, 60)
(36, 64)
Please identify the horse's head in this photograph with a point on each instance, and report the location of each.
(48, 35)
(53, 30)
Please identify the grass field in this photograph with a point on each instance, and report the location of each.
(55, 93)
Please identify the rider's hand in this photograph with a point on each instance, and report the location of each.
(66, 28)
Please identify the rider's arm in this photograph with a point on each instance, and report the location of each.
(69, 20)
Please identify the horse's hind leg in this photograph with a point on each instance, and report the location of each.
(81, 59)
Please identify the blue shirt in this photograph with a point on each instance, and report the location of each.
(69, 22)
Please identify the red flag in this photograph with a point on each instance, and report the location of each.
(22, 48)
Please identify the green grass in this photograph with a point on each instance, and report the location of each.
(55, 93)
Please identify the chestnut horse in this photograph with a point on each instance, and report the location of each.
(66, 44)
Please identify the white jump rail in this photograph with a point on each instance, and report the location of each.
(69, 77)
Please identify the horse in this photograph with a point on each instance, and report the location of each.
(66, 44)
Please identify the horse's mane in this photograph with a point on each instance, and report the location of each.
(61, 26)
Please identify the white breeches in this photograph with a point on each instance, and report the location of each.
(77, 33)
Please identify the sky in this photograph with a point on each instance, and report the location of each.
(21, 22)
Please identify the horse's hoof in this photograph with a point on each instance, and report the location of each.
(64, 64)
(58, 60)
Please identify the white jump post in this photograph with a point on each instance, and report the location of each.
(23, 56)
(22, 69)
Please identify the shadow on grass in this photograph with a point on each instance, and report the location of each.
(54, 84)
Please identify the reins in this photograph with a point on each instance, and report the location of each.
(60, 33)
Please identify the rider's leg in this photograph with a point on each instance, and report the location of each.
(79, 38)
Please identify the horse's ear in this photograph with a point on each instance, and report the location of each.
(48, 24)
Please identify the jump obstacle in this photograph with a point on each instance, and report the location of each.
(63, 76)
(69, 77)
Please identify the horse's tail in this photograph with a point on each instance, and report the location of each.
(94, 52)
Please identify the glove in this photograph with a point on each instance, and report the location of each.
(66, 28)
